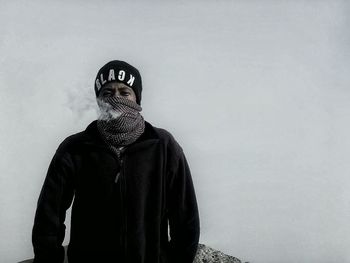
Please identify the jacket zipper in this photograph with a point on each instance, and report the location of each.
(120, 176)
(123, 204)
(118, 154)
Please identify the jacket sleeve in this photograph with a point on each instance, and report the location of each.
(183, 214)
(55, 198)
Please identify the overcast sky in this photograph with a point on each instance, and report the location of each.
(256, 92)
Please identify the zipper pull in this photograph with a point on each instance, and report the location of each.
(117, 177)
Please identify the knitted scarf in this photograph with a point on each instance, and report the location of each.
(120, 122)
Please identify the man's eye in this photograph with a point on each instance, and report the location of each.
(106, 92)
(124, 93)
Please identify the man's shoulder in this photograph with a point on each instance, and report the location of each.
(76, 140)
(167, 138)
(73, 139)
(163, 133)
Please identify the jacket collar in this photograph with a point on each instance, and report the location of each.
(94, 138)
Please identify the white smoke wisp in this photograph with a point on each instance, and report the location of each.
(107, 112)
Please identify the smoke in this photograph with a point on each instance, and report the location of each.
(107, 112)
(81, 101)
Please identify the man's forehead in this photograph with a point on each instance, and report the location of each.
(115, 85)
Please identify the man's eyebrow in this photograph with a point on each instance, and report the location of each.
(125, 88)
(107, 87)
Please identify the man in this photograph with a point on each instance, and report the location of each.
(129, 181)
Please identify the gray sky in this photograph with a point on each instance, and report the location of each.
(256, 92)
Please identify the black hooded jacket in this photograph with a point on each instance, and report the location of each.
(122, 206)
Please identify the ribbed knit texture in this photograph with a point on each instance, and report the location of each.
(120, 122)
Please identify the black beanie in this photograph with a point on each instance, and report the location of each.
(119, 71)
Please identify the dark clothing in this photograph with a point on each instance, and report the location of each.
(122, 206)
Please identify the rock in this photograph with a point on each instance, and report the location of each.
(207, 254)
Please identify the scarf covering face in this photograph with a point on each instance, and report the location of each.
(120, 122)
